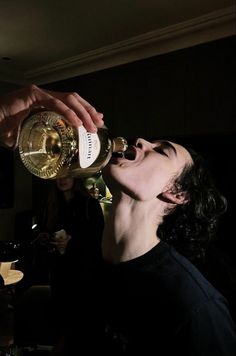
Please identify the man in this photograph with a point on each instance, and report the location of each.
(149, 298)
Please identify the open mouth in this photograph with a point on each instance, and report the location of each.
(129, 154)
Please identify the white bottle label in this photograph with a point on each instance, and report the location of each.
(89, 147)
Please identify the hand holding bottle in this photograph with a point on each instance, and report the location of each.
(50, 148)
(16, 106)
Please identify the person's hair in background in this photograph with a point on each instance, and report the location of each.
(192, 226)
(66, 254)
(61, 192)
(74, 259)
(69, 207)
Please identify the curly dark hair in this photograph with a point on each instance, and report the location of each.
(192, 226)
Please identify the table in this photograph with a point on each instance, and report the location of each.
(7, 302)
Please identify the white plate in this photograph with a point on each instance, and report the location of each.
(13, 277)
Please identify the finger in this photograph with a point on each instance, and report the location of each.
(85, 111)
(96, 116)
(52, 103)
(82, 112)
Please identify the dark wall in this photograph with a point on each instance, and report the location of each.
(187, 95)
(187, 92)
(7, 87)
(6, 179)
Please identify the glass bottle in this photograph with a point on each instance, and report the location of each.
(50, 148)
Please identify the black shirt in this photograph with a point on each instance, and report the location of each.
(160, 304)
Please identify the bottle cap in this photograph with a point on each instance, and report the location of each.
(120, 144)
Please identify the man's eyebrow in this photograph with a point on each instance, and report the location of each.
(167, 144)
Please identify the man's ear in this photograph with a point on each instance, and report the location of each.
(179, 198)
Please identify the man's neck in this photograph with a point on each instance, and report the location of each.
(124, 236)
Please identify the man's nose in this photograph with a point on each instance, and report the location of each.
(141, 143)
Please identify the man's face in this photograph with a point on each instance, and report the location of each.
(148, 168)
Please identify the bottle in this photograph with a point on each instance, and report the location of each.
(50, 148)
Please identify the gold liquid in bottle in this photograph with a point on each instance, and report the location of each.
(50, 148)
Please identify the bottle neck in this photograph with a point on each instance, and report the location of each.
(120, 144)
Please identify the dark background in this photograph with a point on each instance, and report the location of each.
(187, 96)
(6, 178)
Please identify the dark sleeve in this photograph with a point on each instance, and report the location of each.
(212, 331)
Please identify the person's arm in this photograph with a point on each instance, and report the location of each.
(16, 106)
